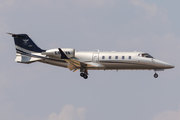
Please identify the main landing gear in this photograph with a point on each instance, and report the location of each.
(84, 72)
(84, 75)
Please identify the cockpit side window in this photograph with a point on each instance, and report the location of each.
(146, 55)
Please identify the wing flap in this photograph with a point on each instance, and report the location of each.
(72, 67)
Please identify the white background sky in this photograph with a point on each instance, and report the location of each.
(43, 92)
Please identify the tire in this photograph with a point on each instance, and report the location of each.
(85, 76)
(82, 74)
(155, 75)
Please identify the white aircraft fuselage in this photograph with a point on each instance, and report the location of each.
(27, 52)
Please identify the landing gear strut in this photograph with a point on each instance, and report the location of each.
(155, 75)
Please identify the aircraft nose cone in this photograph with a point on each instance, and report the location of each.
(167, 66)
(171, 66)
(164, 65)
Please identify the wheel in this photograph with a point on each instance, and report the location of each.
(155, 75)
(85, 76)
(82, 74)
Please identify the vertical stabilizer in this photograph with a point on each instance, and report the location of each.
(24, 44)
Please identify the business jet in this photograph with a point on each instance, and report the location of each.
(28, 52)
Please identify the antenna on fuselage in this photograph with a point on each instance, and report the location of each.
(97, 50)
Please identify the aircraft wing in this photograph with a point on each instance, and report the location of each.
(74, 64)
(92, 64)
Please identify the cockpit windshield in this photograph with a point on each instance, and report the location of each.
(146, 55)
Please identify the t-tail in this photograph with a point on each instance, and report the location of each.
(24, 48)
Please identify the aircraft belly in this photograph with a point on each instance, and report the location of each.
(127, 65)
(56, 63)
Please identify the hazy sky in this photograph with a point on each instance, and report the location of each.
(43, 92)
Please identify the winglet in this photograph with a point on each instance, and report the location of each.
(63, 55)
(10, 33)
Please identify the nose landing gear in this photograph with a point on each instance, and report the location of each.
(155, 75)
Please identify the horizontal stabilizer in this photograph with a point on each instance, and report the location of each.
(25, 59)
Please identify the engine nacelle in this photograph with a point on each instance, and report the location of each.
(70, 53)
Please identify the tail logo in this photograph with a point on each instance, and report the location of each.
(25, 41)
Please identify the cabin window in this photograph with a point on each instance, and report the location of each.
(123, 57)
(116, 57)
(67, 52)
(103, 57)
(56, 52)
(109, 57)
(129, 57)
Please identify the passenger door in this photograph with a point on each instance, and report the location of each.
(95, 57)
(152, 59)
